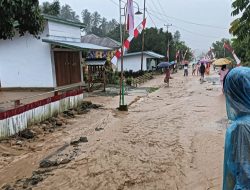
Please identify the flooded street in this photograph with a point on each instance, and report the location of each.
(172, 138)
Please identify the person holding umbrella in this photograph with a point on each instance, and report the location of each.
(167, 76)
(223, 72)
(166, 66)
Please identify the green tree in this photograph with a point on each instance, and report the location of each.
(51, 8)
(115, 33)
(96, 19)
(21, 17)
(112, 25)
(86, 17)
(68, 13)
(218, 48)
(104, 26)
(177, 36)
(240, 27)
(156, 41)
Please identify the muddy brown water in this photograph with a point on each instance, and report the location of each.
(170, 139)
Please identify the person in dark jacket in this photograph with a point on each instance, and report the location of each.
(202, 71)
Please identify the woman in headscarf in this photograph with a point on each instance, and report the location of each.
(237, 143)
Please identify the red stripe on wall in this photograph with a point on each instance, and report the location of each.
(33, 105)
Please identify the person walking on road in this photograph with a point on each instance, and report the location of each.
(202, 71)
(167, 76)
(237, 144)
(198, 69)
(185, 70)
(193, 69)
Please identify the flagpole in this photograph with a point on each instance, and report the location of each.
(120, 6)
(143, 36)
(122, 105)
(167, 25)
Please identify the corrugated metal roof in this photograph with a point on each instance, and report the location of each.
(75, 45)
(101, 41)
(64, 21)
(95, 62)
(149, 53)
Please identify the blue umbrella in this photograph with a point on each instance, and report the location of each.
(172, 63)
(163, 65)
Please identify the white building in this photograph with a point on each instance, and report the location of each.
(50, 61)
(132, 61)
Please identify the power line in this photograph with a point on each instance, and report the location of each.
(160, 19)
(190, 22)
(164, 21)
(179, 19)
(151, 19)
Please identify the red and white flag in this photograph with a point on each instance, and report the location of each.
(184, 57)
(228, 47)
(126, 43)
(130, 17)
(212, 53)
(177, 54)
(238, 61)
(231, 50)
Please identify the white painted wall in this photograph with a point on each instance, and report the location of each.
(64, 32)
(27, 62)
(133, 63)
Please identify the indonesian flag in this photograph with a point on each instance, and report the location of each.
(168, 53)
(130, 17)
(238, 61)
(185, 55)
(212, 53)
(139, 28)
(126, 43)
(177, 54)
(230, 49)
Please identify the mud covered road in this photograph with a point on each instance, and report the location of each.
(172, 138)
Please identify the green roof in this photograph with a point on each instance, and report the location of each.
(64, 21)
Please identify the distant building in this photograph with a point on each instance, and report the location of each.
(100, 41)
(52, 60)
(132, 61)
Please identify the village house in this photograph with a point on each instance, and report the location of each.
(132, 61)
(52, 60)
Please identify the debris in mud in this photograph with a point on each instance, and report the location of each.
(7, 187)
(69, 114)
(81, 140)
(99, 129)
(47, 163)
(20, 143)
(27, 183)
(209, 89)
(27, 134)
(86, 106)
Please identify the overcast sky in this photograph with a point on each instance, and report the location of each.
(190, 17)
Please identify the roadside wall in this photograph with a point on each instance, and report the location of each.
(18, 119)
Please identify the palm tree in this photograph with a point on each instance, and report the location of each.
(51, 8)
(96, 19)
(86, 17)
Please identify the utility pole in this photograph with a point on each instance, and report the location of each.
(143, 36)
(167, 25)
